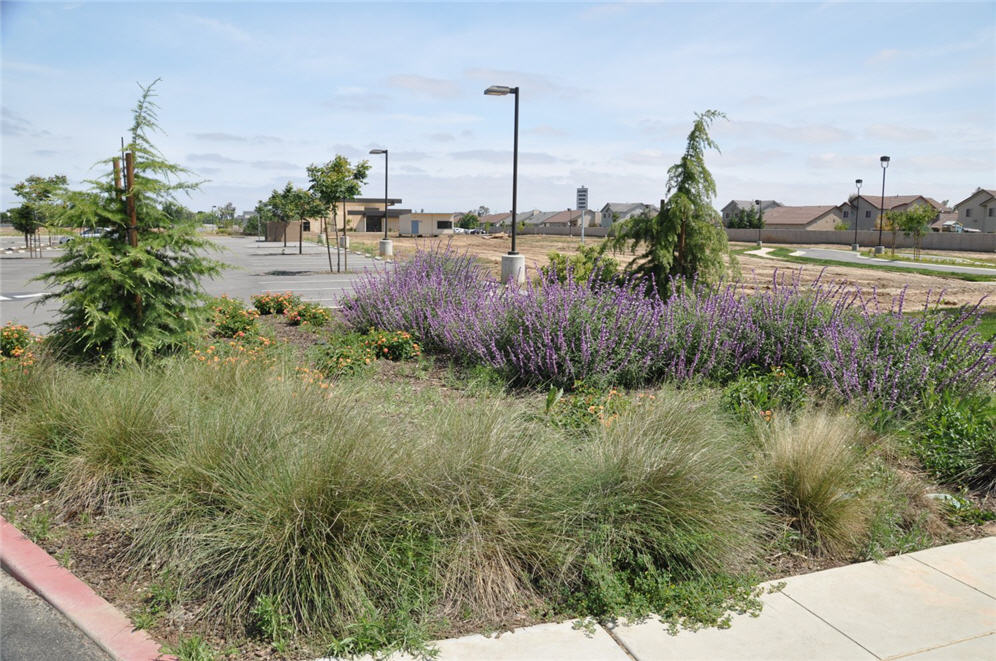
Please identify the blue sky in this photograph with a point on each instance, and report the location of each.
(254, 92)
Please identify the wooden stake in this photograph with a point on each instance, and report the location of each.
(132, 216)
(117, 178)
(132, 211)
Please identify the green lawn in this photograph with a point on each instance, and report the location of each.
(785, 254)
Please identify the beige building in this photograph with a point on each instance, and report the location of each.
(802, 218)
(865, 209)
(428, 224)
(978, 210)
(361, 214)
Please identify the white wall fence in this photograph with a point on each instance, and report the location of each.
(869, 238)
(561, 231)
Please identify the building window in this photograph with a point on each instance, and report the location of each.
(444, 224)
(991, 214)
(968, 213)
(306, 226)
(868, 214)
(846, 214)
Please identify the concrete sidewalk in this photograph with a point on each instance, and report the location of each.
(930, 605)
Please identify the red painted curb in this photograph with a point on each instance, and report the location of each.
(99, 620)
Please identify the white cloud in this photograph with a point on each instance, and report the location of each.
(211, 158)
(805, 133)
(502, 156)
(432, 87)
(275, 165)
(231, 137)
(357, 100)
(221, 28)
(534, 85)
(547, 130)
(897, 133)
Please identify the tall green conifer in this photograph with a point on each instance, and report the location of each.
(686, 238)
(120, 303)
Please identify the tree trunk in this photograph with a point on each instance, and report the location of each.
(328, 247)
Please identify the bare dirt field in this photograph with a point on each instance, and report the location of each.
(755, 272)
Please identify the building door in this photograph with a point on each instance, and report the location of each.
(415, 227)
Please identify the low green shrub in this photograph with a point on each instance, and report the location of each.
(392, 345)
(955, 439)
(343, 355)
(754, 395)
(270, 622)
(587, 263)
(307, 314)
(231, 318)
(270, 303)
(15, 339)
(584, 407)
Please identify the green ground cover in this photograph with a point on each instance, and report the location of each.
(785, 254)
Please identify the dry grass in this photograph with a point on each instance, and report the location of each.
(812, 465)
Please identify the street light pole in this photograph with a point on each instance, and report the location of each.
(879, 249)
(857, 198)
(513, 265)
(758, 203)
(386, 248)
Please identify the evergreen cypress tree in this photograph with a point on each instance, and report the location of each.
(686, 238)
(120, 303)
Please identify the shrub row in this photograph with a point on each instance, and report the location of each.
(559, 332)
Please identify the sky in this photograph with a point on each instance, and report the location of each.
(253, 92)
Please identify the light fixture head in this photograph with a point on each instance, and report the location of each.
(498, 90)
(757, 202)
(885, 161)
(378, 151)
(859, 182)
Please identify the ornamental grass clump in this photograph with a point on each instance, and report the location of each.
(812, 466)
(391, 512)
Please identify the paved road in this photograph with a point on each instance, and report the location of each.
(31, 630)
(257, 267)
(849, 256)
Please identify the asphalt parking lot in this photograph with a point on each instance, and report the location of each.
(255, 267)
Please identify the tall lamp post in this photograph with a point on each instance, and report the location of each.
(385, 247)
(758, 203)
(857, 200)
(513, 265)
(879, 249)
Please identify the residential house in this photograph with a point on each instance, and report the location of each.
(733, 207)
(978, 210)
(494, 219)
(865, 209)
(615, 211)
(802, 217)
(573, 218)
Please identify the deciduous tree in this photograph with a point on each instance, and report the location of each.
(336, 181)
(914, 222)
(40, 206)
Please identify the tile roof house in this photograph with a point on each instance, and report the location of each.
(823, 217)
(733, 207)
(865, 209)
(616, 211)
(572, 218)
(978, 210)
(495, 219)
